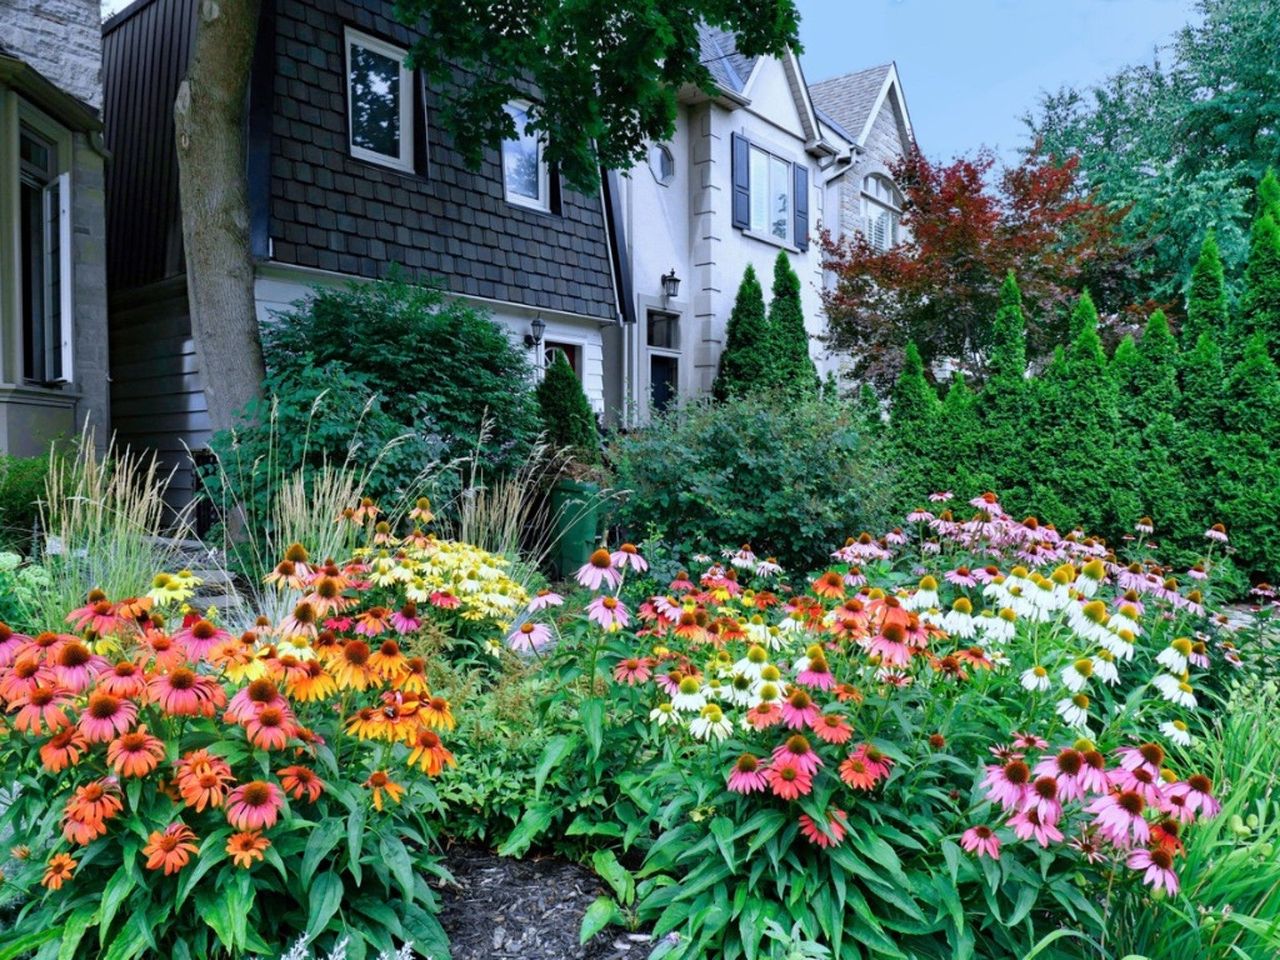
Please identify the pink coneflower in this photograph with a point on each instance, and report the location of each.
(876, 762)
(99, 616)
(271, 728)
(799, 710)
(124, 679)
(406, 620)
(833, 728)
(1216, 533)
(854, 577)
(632, 671)
(41, 709)
(941, 497)
(981, 840)
(816, 674)
(445, 600)
(768, 567)
(254, 806)
(609, 612)
(10, 644)
(44, 647)
(835, 828)
(961, 577)
(682, 583)
(1196, 794)
(251, 698)
(1158, 867)
(1065, 767)
(628, 556)
(1119, 818)
(373, 622)
(199, 638)
(76, 666)
(1141, 781)
(1028, 741)
(1149, 756)
(25, 675)
(1007, 784)
(788, 781)
(599, 570)
(106, 717)
(544, 599)
(748, 775)
(529, 637)
(796, 749)
(890, 645)
(764, 715)
(185, 693)
(1042, 797)
(1028, 824)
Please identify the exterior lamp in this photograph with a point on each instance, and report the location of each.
(538, 328)
(670, 285)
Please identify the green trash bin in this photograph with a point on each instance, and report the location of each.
(575, 524)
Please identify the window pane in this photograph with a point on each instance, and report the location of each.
(31, 213)
(664, 382)
(759, 172)
(521, 159)
(779, 198)
(375, 101)
(664, 331)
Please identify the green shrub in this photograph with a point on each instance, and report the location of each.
(567, 418)
(915, 425)
(21, 489)
(744, 364)
(1004, 396)
(791, 477)
(792, 367)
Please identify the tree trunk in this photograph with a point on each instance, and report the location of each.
(209, 115)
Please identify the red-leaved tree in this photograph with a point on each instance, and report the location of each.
(938, 286)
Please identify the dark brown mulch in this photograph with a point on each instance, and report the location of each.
(504, 909)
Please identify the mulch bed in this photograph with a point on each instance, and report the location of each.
(504, 909)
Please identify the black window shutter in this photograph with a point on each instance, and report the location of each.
(555, 202)
(801, 221)
(741, 183)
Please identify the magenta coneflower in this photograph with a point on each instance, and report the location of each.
(1196, 794)
(529, 637)
(981, 840)
(1141, 781)
(799, 710)
(599, 570)
(199, 638)
(252, 698)
(1065, 766)
(796, 749)
(544, 599)
(1093, 772)
(748, 775)
(816, 674)
(406, 620)
(1158, 867)
(788, 781)
(609, 612)
(185, 693)
(1028, 824)
(831, 834)
(1007, 784)
(254, 806)
(1119, 818)
(106, 717)
(1042, 798)
(632, 671)
(76, 666)
(628, 556)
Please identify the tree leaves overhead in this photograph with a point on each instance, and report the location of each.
(603, 74)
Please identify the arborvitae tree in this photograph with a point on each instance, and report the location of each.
(1203, 374)
(745, 361)
(793, 369)
(1202, 437)
(869, 410)
(1269, 195)
(914, 421)
(1004, 396)
(566, 413)
(1157, 369)
(1260, 304)
(1165, 491)
(1207, 296)
(1124, 366)
(1083, 315)
(961, 455)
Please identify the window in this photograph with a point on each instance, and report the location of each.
(524, 171)
(882, 208)
(44, 218)
(770, 195)
(379, 102)
(663, 333)
(551, 348)
(662, 163)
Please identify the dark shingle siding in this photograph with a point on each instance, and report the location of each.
(337, 213)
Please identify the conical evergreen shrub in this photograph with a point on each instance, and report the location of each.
(962, 466)
(1005, 394)
(914, 422)
(567, 418)
(1207, 296)
(745, 362)
(792, 368)
(1165, 491)
(1260, 303)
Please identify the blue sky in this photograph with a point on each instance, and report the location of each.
(970, 68)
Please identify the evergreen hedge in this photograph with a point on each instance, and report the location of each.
(567, 418)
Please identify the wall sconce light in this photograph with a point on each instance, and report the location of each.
(538, 328)
(670, 285)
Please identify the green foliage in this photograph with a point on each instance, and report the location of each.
(1260, 304)
(601, 106)
(1207, 296)
(961, 464)
(792, 369)
(789, 476)
(567, 418)
(746, 361)
(915, 429)
(21, 488)
(1004, 396)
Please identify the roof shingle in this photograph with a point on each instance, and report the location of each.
(849, 99)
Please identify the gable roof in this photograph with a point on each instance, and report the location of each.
(719, 54)
(66, 108)
(851, 99)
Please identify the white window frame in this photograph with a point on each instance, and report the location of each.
(64, 328)
(404, 161)
(664, 150)
(874, 206)
(766, 233)
(673, 353)
(543, 202)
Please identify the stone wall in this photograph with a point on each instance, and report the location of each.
(90, 298)
(60, 38)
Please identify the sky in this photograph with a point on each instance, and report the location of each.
(971, 68)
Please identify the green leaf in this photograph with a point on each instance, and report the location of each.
(73, 931)
(553, 755)
(722, 829)
(615, 874)
(424, 930)
(592, 714)
(355, 840)
(325, 897)
(213, 909)
(397, 859)
(602, 912)
(535, 820)
(24, 944)
(322, 838)
(114, 893)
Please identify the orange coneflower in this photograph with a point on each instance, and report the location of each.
(63, 750)
(271, 728)
(387, 660)
(246, 847)
(41, 709)
(254, 806)
(203, 779)
(351, 668)
(170, 849)
(135, 754)
(301, 782)
(313, 684)
(429, 753)
(59, 870)
(90, 807)
(369, 723)
(25, 675)
(436, 714)
(414, 677)
(830, 585)
(379, 782)
(253, 697)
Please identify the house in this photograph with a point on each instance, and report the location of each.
(348, 173)
(53, 309)
(759, 166)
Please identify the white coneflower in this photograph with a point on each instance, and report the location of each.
(771, 686)
(1074, 710)
(1176, 731)
(766, 692)
(737, 690)
(926, 595)
(769, 567)
(757, 630)
(1126, 618)
(1075, 676)
(959, 619)
(793, 622)
(1089, 621)
(711, 723)
(999, 659)
(1104, 668)
(689, 697)
(1144, 526)
(664, 713)
(1174, 690)
(1174, 657)
(1091, 576)
(1002, 626)
(744, 558)
(757, 659)
(1035, 678)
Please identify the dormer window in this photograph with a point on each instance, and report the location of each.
(882, 211)
(524, 168)
(379, 102)
(662, 163)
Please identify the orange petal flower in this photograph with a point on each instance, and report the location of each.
(170, 849)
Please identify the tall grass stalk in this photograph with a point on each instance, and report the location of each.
(106, 525)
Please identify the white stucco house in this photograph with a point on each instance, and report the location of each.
(760, 166)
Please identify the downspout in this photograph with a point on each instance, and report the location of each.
(615, 237)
